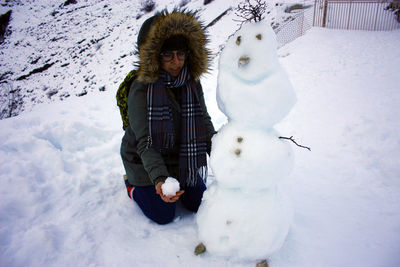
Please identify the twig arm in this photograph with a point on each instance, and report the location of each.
(291, 139)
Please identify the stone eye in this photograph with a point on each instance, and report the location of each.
(259, 36)
(238, 40)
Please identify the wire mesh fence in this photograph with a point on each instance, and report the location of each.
(296, 27)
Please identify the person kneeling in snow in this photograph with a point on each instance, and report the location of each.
(170, 130)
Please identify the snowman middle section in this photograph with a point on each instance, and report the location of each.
(252, 159)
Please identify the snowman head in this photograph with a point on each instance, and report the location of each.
(253, 88)
(250, 53)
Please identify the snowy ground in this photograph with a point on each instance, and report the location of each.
(63, 201)
(347, 190)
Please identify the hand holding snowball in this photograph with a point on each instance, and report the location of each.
(169, 190)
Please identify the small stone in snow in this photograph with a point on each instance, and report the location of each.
(200, 248)
(238, 151)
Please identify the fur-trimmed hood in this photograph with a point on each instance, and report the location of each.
(164, 26)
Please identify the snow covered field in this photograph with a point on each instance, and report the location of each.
(347, 190)
(63, 202)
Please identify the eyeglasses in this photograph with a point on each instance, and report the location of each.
(169, 55)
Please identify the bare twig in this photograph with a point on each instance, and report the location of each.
(291, 139)
(249, 12)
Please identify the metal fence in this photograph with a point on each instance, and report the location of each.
(355, 15)
(341, 14)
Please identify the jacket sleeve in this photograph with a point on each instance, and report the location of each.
(152, 160)
(207, 119)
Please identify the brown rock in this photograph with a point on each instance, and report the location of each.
(200, 249)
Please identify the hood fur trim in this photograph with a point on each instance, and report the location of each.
(167, 25)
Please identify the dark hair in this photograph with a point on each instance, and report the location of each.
(175, 42)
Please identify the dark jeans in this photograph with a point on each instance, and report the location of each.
(162, 212)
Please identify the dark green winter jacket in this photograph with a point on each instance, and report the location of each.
(145, 165)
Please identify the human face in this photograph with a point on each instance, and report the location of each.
(172, 62)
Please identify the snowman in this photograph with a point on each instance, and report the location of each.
(245, 214)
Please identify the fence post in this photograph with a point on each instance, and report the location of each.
(301, 25)
(315, 8)
(376, 15)
(348, 21)
(325, 12)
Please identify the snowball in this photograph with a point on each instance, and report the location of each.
(243, 226)
(252, 85)
(170, 187)
(250, 159)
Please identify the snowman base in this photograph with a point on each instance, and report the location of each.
(227, 218)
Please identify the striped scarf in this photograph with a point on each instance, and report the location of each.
(193, 147)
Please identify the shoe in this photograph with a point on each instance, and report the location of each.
(129, 187)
